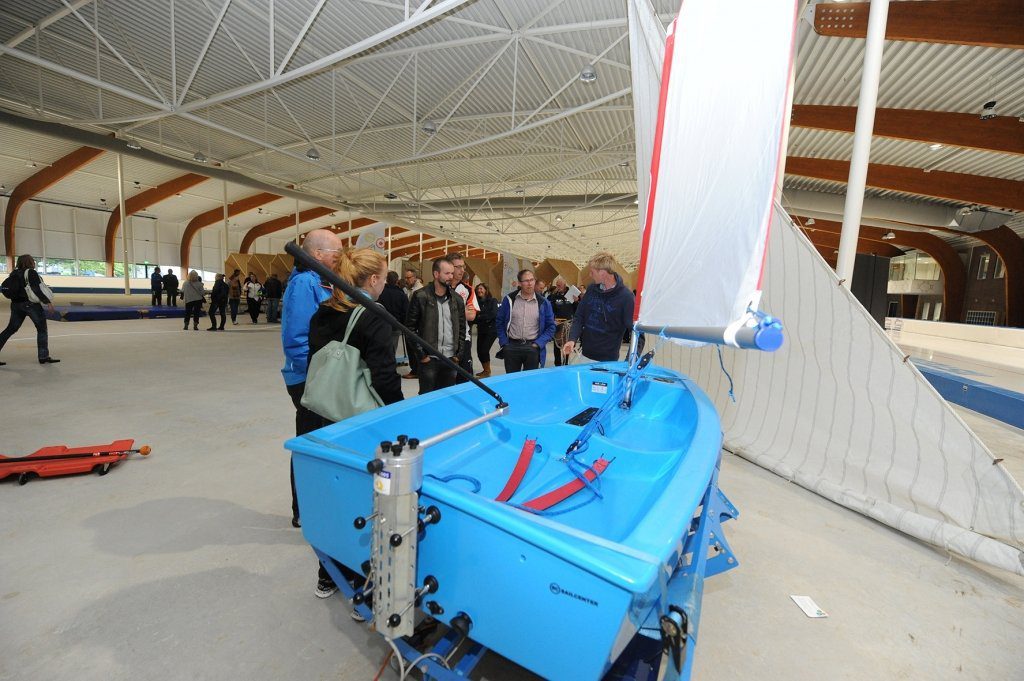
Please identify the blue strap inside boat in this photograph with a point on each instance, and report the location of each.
(456, 476)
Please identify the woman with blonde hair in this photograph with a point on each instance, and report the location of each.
(193, 291)
(367, 270)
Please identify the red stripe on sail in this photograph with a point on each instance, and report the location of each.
(666, 71)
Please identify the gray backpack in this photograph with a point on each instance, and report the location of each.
(338, 381)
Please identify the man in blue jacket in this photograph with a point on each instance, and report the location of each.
(156, 285)
(525, 324)
(604, 314)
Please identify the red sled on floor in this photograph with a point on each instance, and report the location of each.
(60, 460)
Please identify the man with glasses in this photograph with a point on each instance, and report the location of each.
(302, 297)
(525, 324)
(465, 291)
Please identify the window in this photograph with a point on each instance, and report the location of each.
(982, 317)
(1000, 269)
(983, 266)
(925, 309)
(937, 312)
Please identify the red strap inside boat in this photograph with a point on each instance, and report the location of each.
(543, 503)
(525, 456)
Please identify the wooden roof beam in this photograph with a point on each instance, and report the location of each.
(830, 240)
(37, 183)
(215, 215)
(283, 222)
(1002, 134)
(989, 23)
(142, 201)
(980, 189)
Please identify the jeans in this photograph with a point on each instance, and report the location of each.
(521, 356)
(193, 310)
(465, 360)
(273, 310)
(484, 340)
(217, 306)
(33, 311)
(254, 309)
(172, 297)
(434, 376)
(233, 303)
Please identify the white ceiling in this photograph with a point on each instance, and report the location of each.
(359, 81)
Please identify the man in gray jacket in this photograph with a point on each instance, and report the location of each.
(438, 316)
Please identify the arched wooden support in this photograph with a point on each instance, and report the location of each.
(989, 191)
(1010, 249)
(215, 215)
(992, 23)
(287, 221)
(831, 240)
(1002, 134)
(142, 201)
(429, 243)
(954, 274)
(35, 184)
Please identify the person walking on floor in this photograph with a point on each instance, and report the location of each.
(564, 311)
(193, 292)
(28, 295)
(253, 297)
(218, 303)
(525, 325)
(171, 288)
(235, 294)
(394, 301)
(486, 332)
(603, 315)
(272, 291)
(302, 297)
(438, 316)
(156, 285)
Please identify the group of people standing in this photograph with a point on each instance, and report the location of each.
(226, 295)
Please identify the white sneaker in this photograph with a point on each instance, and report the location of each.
(325, 589)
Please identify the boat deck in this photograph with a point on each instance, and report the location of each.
(184, 564)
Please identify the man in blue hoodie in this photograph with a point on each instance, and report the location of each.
(525, 324)
(603, 315)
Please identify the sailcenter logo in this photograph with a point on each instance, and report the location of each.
(559, 591)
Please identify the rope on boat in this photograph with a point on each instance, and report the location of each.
(457, 476)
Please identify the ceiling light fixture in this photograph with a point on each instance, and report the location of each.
(988, 110)
(889, 236)
(132, 144)
(30, 164)
(519, 190)
(558, 218)
(429, 127)
(588, 74)
(390, 196)
(809, 221)
(199, 157)
(312, 154)
(935, 147)
(624, 164)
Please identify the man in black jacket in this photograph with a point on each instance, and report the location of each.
(438, 316)
(171, 288)
(394, 301)
(218, 302)
(272, 291)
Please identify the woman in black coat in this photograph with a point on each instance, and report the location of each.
(486, 333)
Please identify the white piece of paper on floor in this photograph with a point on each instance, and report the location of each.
(810, 608)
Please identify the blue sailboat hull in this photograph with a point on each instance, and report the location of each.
(560, 594)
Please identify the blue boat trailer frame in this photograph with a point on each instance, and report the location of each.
(705, 553)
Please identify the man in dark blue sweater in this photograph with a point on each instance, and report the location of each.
(603, 315)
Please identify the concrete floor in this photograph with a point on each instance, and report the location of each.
(184, 565)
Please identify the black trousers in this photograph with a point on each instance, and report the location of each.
(172, 297)
(521, 356)
(33, 311)
(193, 310)
(412, 349)
(484, 340)
(155, 298)
(217, 306)
(254, 309)
(233, 304)
(465, 360)
(434, 376)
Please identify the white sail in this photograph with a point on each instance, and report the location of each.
(716, 156)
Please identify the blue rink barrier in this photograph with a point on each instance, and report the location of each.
(998, 403)
(95, 313)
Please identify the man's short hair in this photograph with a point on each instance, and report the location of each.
(414, 272)
(519, 277)
(453, 256)
(436, 265)
(393, 278)
(602, 261)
